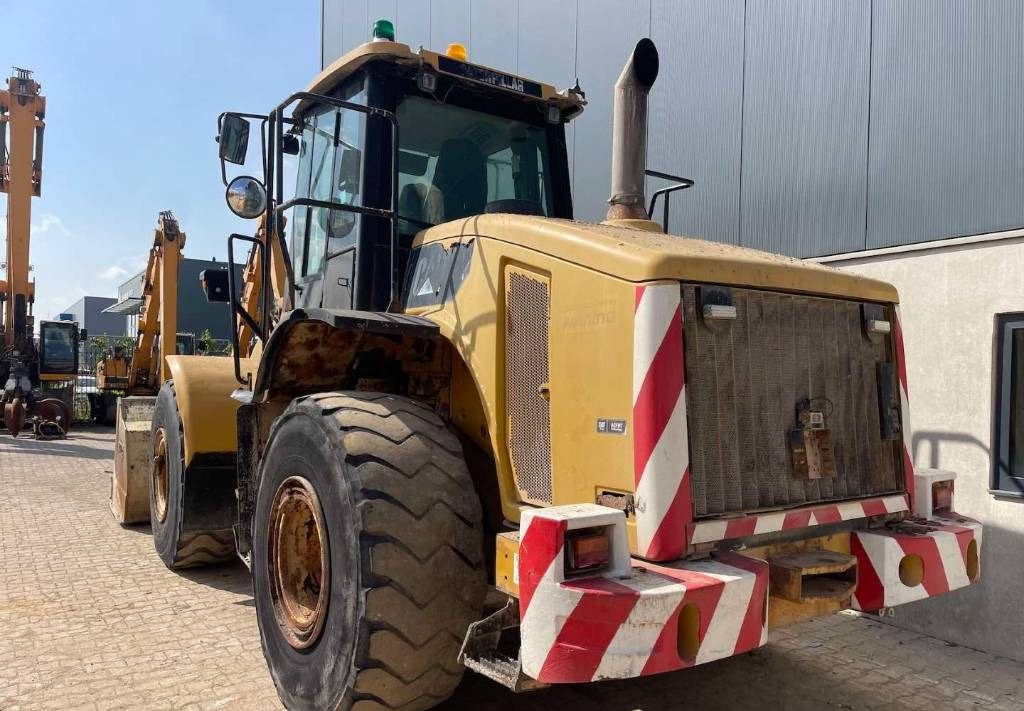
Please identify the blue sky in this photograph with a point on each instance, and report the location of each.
(133, 90)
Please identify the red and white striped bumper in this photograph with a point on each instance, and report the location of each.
(632, 619)
(938, 555)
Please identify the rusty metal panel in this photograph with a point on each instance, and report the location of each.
(527, 314)
(744, 382)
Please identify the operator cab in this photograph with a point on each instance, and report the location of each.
(470, 140)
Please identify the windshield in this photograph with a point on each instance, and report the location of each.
(455, 162)
(59, 349)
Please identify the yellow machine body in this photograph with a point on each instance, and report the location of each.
(590, 272)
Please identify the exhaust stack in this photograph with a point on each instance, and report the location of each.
(629, 133)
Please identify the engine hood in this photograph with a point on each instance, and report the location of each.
(640, 255)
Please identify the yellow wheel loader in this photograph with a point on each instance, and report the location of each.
(470, 431)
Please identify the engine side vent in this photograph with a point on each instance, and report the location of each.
(526, 379)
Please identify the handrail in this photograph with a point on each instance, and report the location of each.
(682, 184)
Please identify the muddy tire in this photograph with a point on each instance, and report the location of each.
(180, 539)
(367, 554)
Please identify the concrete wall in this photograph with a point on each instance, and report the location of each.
(949, 297)
(88, 312)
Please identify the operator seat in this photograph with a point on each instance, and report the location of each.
(461, 178)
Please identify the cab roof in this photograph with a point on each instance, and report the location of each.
(570, 102)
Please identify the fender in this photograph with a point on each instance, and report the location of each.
(314, 350)
(203, 387)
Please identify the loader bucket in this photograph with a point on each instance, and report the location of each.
(129, 484)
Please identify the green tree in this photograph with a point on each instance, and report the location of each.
(206, 343)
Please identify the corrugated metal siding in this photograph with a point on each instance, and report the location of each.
(606, 31)
(449, 22)
(546, 47)
(412, 23)
(696, 111)
(766, 104)
(494, 34)
(332, 20)
(805, 116)
(947, 135)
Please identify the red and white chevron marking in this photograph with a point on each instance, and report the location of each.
(901, 366)
(624, 623)
(944, 545)
(661, 458)
(726, 529)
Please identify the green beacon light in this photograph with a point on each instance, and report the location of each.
(384, 30)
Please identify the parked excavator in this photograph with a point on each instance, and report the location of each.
(37, 378)
(134, 381)
(144, 371)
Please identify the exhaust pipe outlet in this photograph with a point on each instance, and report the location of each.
(629, 133)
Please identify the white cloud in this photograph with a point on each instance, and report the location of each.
(114, 271)
(49, 224)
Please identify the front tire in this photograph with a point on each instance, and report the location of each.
(367, 554)
(182, 538)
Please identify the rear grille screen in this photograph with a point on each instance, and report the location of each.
(744, 380)
(526, 370)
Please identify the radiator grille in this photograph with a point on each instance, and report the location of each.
(526, 369)
(744, 379)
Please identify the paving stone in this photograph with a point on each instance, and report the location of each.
(90, 620)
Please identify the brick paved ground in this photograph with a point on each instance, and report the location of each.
(90, 619)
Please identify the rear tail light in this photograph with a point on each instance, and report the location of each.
(942, 496)
(586, 550)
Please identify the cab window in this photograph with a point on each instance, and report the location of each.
(329, 169)
(455, 162)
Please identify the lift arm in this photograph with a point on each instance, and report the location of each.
(252, 283)
(159, 317)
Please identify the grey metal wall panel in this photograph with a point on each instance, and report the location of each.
(332, 21)
(803, 186)
(494, 34)
(696, 112)
(357, 24)
(546, 47)
(606, 32)
(947, 133)
(449, 22)
(412, 23)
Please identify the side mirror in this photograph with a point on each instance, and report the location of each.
(83, 335)
(233, 139)
(290, 144)
(246, 197)
(214, 283)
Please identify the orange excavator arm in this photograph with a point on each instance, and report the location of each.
(22, 110)
(158, 319)
(252, 285)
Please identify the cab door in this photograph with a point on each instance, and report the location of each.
(324, 241)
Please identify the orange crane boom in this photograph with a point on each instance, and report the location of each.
(22, 110)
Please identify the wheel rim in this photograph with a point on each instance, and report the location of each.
(160, 477)
(298, 565)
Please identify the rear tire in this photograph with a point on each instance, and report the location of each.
(178, 544)
(390, 503)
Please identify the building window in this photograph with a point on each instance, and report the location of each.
(1008, 450)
